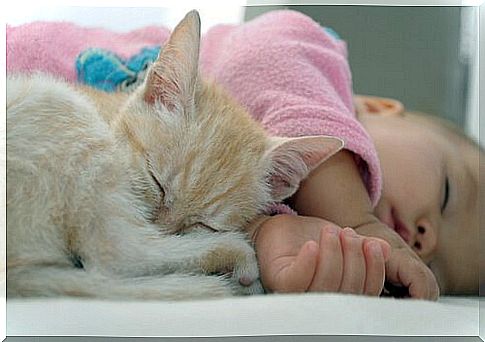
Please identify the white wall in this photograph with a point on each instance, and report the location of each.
(470, 50)
(115, 18)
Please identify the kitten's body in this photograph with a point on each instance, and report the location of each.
(140, 196)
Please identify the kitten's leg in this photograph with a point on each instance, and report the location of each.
(37, 280)
(143, 251)
(226, 252)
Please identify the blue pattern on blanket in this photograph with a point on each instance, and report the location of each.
(332, 32)
(104, 70)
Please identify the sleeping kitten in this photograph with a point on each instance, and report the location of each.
(141, 196)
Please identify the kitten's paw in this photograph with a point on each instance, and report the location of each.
(245, 275)
(255, 288)
(235, 258)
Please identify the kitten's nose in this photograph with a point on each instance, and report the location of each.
(426, 239)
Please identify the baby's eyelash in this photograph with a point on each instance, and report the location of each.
(447, 194)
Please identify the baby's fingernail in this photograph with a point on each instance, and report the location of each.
(331, 230)
(375, 248)
(312, 247)
(350, 232)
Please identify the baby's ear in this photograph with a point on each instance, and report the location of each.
(292, 159)
(173, 76)
(373, 105)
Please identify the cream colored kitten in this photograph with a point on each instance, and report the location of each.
(144, 195)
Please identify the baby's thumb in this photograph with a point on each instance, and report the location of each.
(298, 274)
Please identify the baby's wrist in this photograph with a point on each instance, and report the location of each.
(254, 227)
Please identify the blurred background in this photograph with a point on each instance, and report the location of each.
(423, 56)
(426, 57)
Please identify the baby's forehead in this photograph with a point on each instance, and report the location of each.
(462, 157)
(455, 139)
(444, 128)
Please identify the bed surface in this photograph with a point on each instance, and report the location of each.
(305, 314)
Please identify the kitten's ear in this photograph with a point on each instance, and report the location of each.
(173, 76)
(292, 159)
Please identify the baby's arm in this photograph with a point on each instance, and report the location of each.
(335, 191)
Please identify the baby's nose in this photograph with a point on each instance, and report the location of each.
(425, 239)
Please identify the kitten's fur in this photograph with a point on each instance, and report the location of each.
(144, 195)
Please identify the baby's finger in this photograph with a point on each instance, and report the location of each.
(412, 274)
(375, 268)
(297, 276)
(328, 275)
(423, 284)
(385, 246)
(353, 279)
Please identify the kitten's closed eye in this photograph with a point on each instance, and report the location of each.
(204, 226)
(155, 180)
(160, 198)
(197, 227)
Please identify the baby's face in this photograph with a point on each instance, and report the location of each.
(430, 195)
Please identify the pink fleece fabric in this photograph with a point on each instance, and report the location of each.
(283, 67)
(53, 47)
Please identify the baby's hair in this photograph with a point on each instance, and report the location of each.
(451, 128)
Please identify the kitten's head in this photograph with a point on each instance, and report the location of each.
(205, 162)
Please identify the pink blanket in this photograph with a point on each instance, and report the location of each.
(283, 67)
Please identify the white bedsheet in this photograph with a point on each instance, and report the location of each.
(320, 314)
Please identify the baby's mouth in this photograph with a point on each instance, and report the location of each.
(396, 224)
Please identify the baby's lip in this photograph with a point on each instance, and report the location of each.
(392, 220)
(399, 227)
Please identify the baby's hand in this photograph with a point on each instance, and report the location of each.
(298, 253)
(404, 268)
